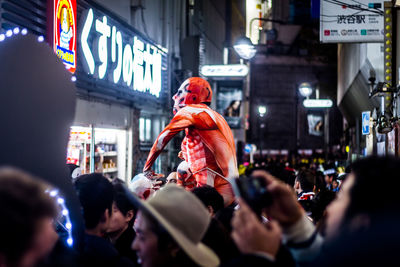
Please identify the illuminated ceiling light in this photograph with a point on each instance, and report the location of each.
(245, 48)
(24, 31)
(305, 89)
(2, 37)
(16, 30)
(317, 103)
(9, 33)
(40, 39)
(262, 110)
(73, 79)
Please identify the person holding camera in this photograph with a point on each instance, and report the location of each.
(363, 230)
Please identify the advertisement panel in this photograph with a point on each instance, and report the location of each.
(229, 102)
(64, 32)
(315, 124)
(351, 21)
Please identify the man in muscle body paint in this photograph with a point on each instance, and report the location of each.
(208, 147)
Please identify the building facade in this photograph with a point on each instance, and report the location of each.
(118, 116)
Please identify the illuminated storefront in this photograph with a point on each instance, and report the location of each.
(120, 76)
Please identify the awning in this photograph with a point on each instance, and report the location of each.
(356, 98)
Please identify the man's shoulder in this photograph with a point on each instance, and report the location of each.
(197, 110)
(99, 246)
(100, 252)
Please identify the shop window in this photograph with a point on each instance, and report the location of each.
(145, 129)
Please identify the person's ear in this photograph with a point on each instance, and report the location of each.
(106, 216)
(173, 249)
(210, 210)
(129, 215)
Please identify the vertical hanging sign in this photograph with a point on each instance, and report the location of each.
(64, 32)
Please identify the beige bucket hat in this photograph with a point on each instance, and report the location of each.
(184, 217)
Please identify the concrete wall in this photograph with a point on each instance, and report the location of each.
(351, 58)
(120, 7)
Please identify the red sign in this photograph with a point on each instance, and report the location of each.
(64, 32)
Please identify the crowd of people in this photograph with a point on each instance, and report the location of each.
(286, 215)
(314, 218)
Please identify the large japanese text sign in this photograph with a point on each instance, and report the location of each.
(118, 56)
(64, 32)
(351, 21)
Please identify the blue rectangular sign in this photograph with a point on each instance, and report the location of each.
(365, 122)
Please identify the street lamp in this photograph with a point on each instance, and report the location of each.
(305, 89)
(245, 48)
(262, 110)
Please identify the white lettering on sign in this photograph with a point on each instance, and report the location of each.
(317, 103)
(139, 63)
(116, 41)
(105, 31)
(235, 70)
(87, 53)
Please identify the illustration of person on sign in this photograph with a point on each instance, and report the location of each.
(65, 28)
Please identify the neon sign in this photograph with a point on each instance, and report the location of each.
(119, 57)
(64, 27)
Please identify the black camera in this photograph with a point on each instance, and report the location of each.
(253, 190)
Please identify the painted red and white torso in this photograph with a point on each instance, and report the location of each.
(208, 144)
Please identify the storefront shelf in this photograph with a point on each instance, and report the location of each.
(110, 170)
(107, 154)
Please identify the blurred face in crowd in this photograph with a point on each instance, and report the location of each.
(146, 243)
(337, 209)
(172, 178)
(335, 184)
(118, 221)
(328, 179)
(297, 186)
(43, 242)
